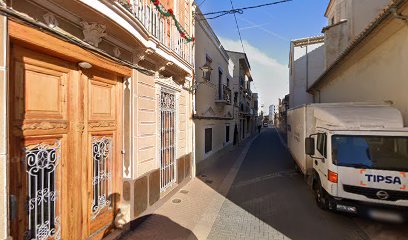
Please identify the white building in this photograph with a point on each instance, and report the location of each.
(216, 112)
(346, 21)
(306, 64)
(372, 68)
(271, 113)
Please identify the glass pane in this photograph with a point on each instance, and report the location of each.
(102, 155)
(41, 162)
(373, 152)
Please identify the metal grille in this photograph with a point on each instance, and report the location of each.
(41, 162)
(101, 154)
(167, 136)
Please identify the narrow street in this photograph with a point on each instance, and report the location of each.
(266, 199)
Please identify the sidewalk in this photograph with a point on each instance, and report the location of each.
(192, 212)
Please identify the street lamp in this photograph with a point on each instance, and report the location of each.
(206, 68)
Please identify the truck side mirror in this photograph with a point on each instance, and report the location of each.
(310, 146)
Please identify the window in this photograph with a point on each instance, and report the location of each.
(371, 152)
(228, 82)
(227, 134)
(43, 210)
(102, 177)
(332, 21)
(219, 84)
(322, 144)
(208, 140)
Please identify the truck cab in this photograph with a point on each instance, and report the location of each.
(359, 160)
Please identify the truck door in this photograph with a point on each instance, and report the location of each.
(320, 163)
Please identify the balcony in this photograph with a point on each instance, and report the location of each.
(224, 96)
(161, 29)
(245, 109)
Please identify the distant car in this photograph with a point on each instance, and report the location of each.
(265, 124)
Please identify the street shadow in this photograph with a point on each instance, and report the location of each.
(157, 227)
(268, 189)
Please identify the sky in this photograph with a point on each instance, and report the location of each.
(266, 33)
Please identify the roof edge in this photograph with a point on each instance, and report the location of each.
(354, 44)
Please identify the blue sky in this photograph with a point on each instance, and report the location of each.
(267, 33)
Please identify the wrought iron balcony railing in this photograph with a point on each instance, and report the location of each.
(225, 95)
(161, 28)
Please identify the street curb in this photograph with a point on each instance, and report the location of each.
(223, 189)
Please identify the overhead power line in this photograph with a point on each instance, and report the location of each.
(236, 23)
(240, 10)
(199, 5)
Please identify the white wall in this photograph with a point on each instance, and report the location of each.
(4, 155)
(359, 14)
(207, 44)
(380, 75)
(363, 12)
(305, 70)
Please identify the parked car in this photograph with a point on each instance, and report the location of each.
(265, 124)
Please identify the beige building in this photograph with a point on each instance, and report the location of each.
(225, 110)
(372, 67)
(242, 77)
(215, 112)
(346, 20)
(95, 113)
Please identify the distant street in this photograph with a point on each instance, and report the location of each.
(267, 199)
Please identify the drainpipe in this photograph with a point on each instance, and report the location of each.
(4, 153)
(193, 112)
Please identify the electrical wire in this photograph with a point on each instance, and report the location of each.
(239, 10)
(239, 31)
(199, 5)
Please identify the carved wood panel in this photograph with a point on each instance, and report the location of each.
(58, 117)
(38, 142)
(104, 146)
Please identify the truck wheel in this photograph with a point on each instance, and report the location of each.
(320, 196)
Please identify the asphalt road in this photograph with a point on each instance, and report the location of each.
(268, 187)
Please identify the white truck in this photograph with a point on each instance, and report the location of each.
(354, 155)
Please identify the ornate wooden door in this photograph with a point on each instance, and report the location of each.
(65, 143)
(104, 107)
(39, 142)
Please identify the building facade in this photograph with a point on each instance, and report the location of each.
(215, 112)
(272, 112)
(306, 64)
(281, 120)
(346, 20)
(243, 95)
(372, 67)
(96, 109)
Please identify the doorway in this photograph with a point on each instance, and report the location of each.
(65, 143)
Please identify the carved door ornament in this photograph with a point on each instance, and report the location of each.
(93, 33)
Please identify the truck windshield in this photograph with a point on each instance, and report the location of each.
(371, 152)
